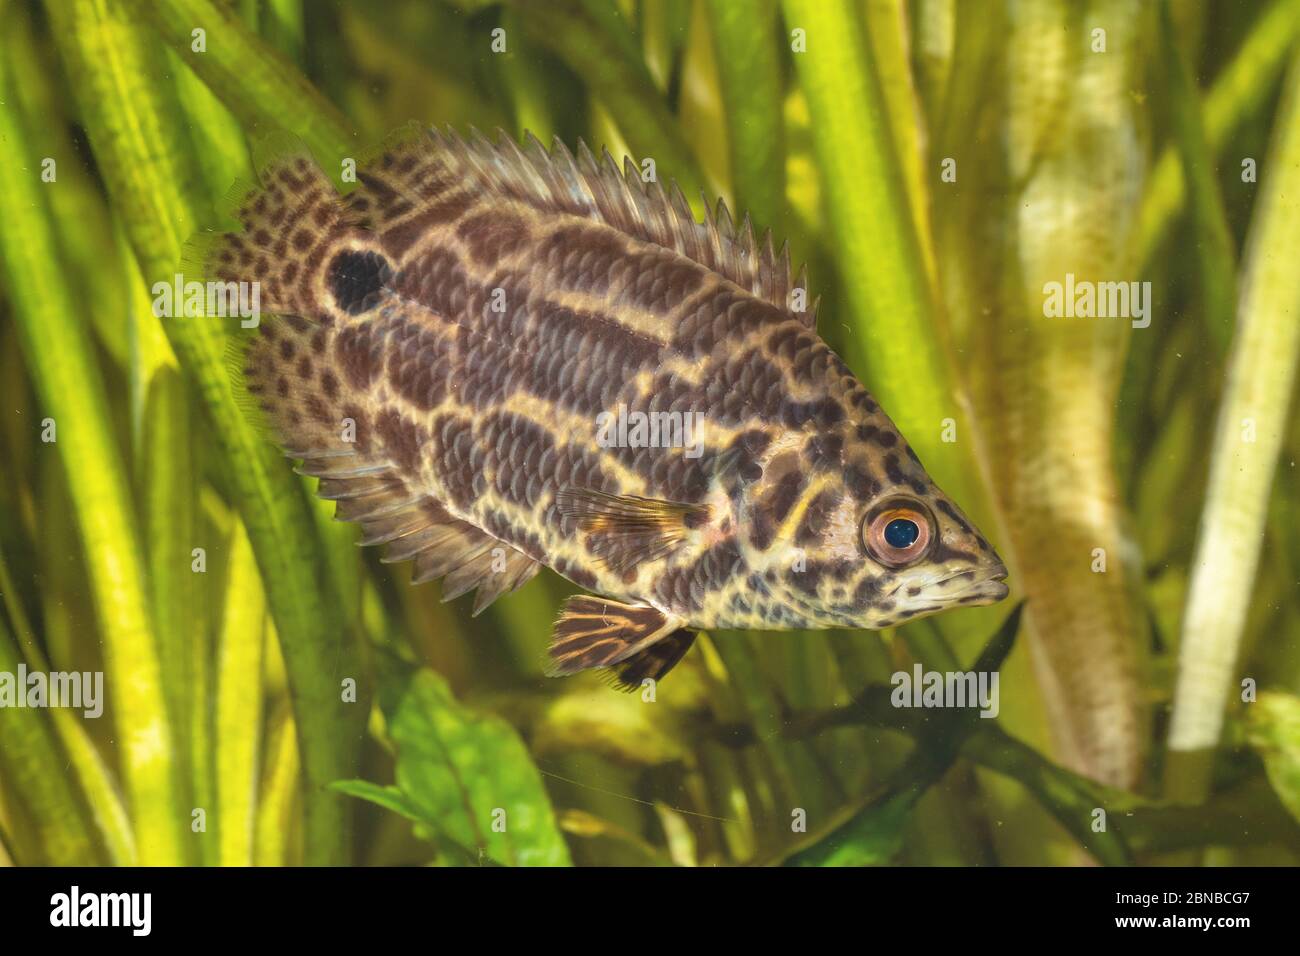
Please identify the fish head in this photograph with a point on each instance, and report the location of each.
(870, 541)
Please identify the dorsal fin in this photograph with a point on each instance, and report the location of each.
(435, 166)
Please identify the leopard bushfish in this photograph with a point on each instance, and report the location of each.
(496, 356)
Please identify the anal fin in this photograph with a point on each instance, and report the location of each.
(597, 632)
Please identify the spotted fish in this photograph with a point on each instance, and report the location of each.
(496, 357)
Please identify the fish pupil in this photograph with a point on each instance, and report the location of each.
(901, 533)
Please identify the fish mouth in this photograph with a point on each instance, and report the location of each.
(986, 587)
(993, 585)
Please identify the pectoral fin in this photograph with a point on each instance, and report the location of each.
(597, 632)
(625, 530)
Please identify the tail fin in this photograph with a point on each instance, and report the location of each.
(311, 266)
(295, 225)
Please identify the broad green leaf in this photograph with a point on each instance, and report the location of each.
(465, 775)
(1273, 729)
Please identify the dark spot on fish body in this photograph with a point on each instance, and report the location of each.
(787, 340)
(605, 355)
(492, 235)
(896, 475)
(419, 363)
(578, 575)
(318, 410)
(435, 280)
(860, 399)
(816, 517)
(869, 589)
(860, 484)
(330, 385)
(841, 569)
(674, 477)
(751, 443)
(686, 586)
(583, 258)
(578, 467)
(761, 529)
(746, 384)
(824, 451)
(453, 445)
(402, 438)
(941, 552)
(513, 448)
(503, 529)
(399, 237)
(943, 505)
(809, 579)
(824, 412)
(812, 364)
(661, 281)
(357, 279)
(362, 429)
(304, 367)
(721, 316)
(787, 489)
(358, 350)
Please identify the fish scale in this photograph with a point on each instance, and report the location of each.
(459, 331)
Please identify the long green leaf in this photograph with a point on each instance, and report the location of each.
(1252, 421)
(238, 725)
(134, 122)
(67, 379)
(749, 73)
(1214, 239)
(65, 834)
(1238, 92)
(259, 85)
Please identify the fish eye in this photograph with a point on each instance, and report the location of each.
(897, 533)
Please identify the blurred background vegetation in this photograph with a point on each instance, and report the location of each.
(279, 696)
